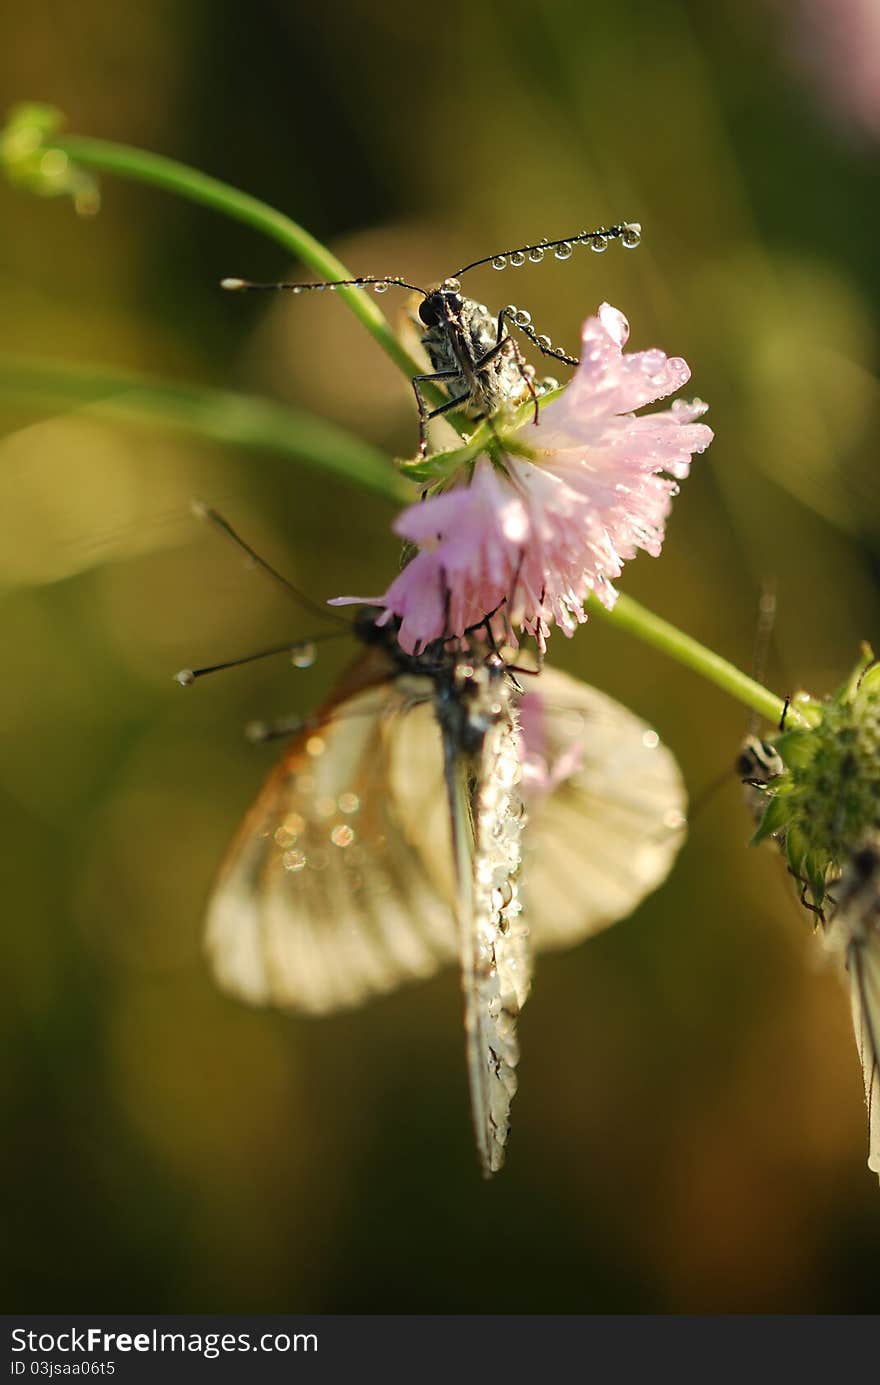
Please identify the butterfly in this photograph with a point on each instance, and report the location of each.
(849, 918)
(853, 935)
(434, 809)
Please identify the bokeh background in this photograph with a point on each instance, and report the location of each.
(689, 1134)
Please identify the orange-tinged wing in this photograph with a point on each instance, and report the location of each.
(325, 896)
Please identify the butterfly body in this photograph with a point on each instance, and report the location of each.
(480, 372)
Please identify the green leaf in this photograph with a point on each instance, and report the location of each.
(224, 416)
(775, 819)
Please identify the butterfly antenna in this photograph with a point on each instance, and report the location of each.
(629, 233)
(203, 511)
(707, 795)
(378, 283)
(302, 654)
(764, 626)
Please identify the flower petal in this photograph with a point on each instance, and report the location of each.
(524, 543)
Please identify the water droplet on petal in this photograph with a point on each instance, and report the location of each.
(653, 361)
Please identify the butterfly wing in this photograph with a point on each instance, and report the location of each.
(854, 935)
(351, 875)
(606, 810)
(325, 897)
(863, 966)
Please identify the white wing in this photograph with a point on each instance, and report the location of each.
(605, 835)
(342, 882)
(863, 965)
(299, 921)
(854, 934)
(325, 896)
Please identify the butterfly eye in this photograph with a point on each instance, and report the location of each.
(865, 862)
(745, 764)
(429, 310)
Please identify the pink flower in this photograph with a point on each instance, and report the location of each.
(837, 43)
(528, 540)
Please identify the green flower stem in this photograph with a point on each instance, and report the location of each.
(127, 162)
(629, 615)
(223, 416)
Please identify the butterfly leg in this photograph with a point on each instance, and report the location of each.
(446, 599)
(522, 366)
(546, 349)
(804, 884)
(426, 414)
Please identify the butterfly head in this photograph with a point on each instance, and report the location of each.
(758, 762)
(369, 628)
(442, 306)
(866, 861)
(471, 695)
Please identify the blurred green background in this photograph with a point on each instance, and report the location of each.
(689, 1134)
